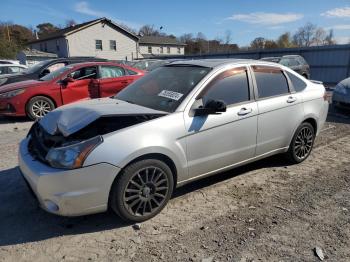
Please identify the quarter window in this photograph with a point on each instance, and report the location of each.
(150, 49)
(298, 84)
(111, 71)
(270, 81)
(161, 50)
(179, 50)
(168, 50)
(230, 86)
(98, 44)
(113, 45)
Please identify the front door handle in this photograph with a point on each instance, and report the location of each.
(291, 99)
(244, 111)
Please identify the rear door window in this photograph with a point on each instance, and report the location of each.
(111, 71)
(270, 81)
(230, 86)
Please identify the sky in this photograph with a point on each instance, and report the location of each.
(245, 19)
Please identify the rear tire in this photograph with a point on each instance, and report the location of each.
(38, 107)
(301, 145)
(141, 190)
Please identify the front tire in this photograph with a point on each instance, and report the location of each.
(301, 144)
(141, 190)
(39, 106)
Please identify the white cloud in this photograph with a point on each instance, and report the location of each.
(342, 12)
(339, 27)
(342, 39)
(83, 7)
(267, 19)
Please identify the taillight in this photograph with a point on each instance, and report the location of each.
(327, 96)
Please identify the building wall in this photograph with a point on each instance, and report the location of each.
(55, 46)
(157, 48)
(82, 43)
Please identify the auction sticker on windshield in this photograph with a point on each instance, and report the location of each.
(170, 94)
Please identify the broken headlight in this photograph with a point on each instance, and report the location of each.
(72, 156)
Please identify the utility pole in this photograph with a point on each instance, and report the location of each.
(8, 32)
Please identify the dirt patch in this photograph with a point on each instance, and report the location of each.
(266, 211)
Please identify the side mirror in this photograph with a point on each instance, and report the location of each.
(44, 72)
(67, 80)
(211, 107)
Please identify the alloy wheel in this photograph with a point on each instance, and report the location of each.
(146, 191)
(40, 108)
(303, 143)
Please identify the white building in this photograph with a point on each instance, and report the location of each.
(105, 39)
(98, 38)
(153, 46)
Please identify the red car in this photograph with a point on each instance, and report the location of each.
(68, 84)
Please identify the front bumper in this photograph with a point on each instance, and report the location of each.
(68, 192)
(10, 108)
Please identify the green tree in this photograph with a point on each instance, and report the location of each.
(46, 28)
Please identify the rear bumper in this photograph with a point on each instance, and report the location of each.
(68, 192)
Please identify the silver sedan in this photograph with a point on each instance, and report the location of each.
(179, 123)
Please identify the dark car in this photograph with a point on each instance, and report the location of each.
(43, 68)
(294, 62)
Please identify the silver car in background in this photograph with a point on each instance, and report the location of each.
(179, 123)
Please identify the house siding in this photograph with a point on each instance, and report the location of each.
(50, 46)
(156, 49)
(82, 43)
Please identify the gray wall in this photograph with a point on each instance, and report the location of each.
(329, 64)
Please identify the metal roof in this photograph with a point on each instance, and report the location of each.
(160, 40)
(72, 29)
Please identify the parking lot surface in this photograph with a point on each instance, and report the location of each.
(266, 211)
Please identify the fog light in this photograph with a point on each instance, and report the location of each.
(51, 206)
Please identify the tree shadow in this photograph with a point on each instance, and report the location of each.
(22, 220)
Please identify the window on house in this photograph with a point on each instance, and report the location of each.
(179, 50)
(113, 45)
(98, 44)
(45, 47)
(41, 47)
(168, 50)
(150, 49)
(57, 45)
(161, 50)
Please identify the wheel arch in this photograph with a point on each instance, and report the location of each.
(159, 156)
(44, 95)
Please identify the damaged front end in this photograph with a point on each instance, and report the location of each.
(70, 151)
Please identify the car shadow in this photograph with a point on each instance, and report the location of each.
(338, 115)
(12, 120)
(22, 220)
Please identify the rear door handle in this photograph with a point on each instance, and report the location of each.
(291, 99)
(244, 111)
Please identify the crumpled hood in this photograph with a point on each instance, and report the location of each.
(71, 118)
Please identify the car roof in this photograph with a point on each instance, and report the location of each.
(13, 65)
(212, 63)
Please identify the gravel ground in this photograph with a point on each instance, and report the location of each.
(266, 211)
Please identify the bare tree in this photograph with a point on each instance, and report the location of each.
(150, 30)
(305, 35)
(285, 41)
(70, 22)
(319, 37)
(330, 38)
(258, 43)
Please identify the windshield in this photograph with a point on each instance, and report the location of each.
(55, 73)
(35, 67)
(164, 88)
(284, 61)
